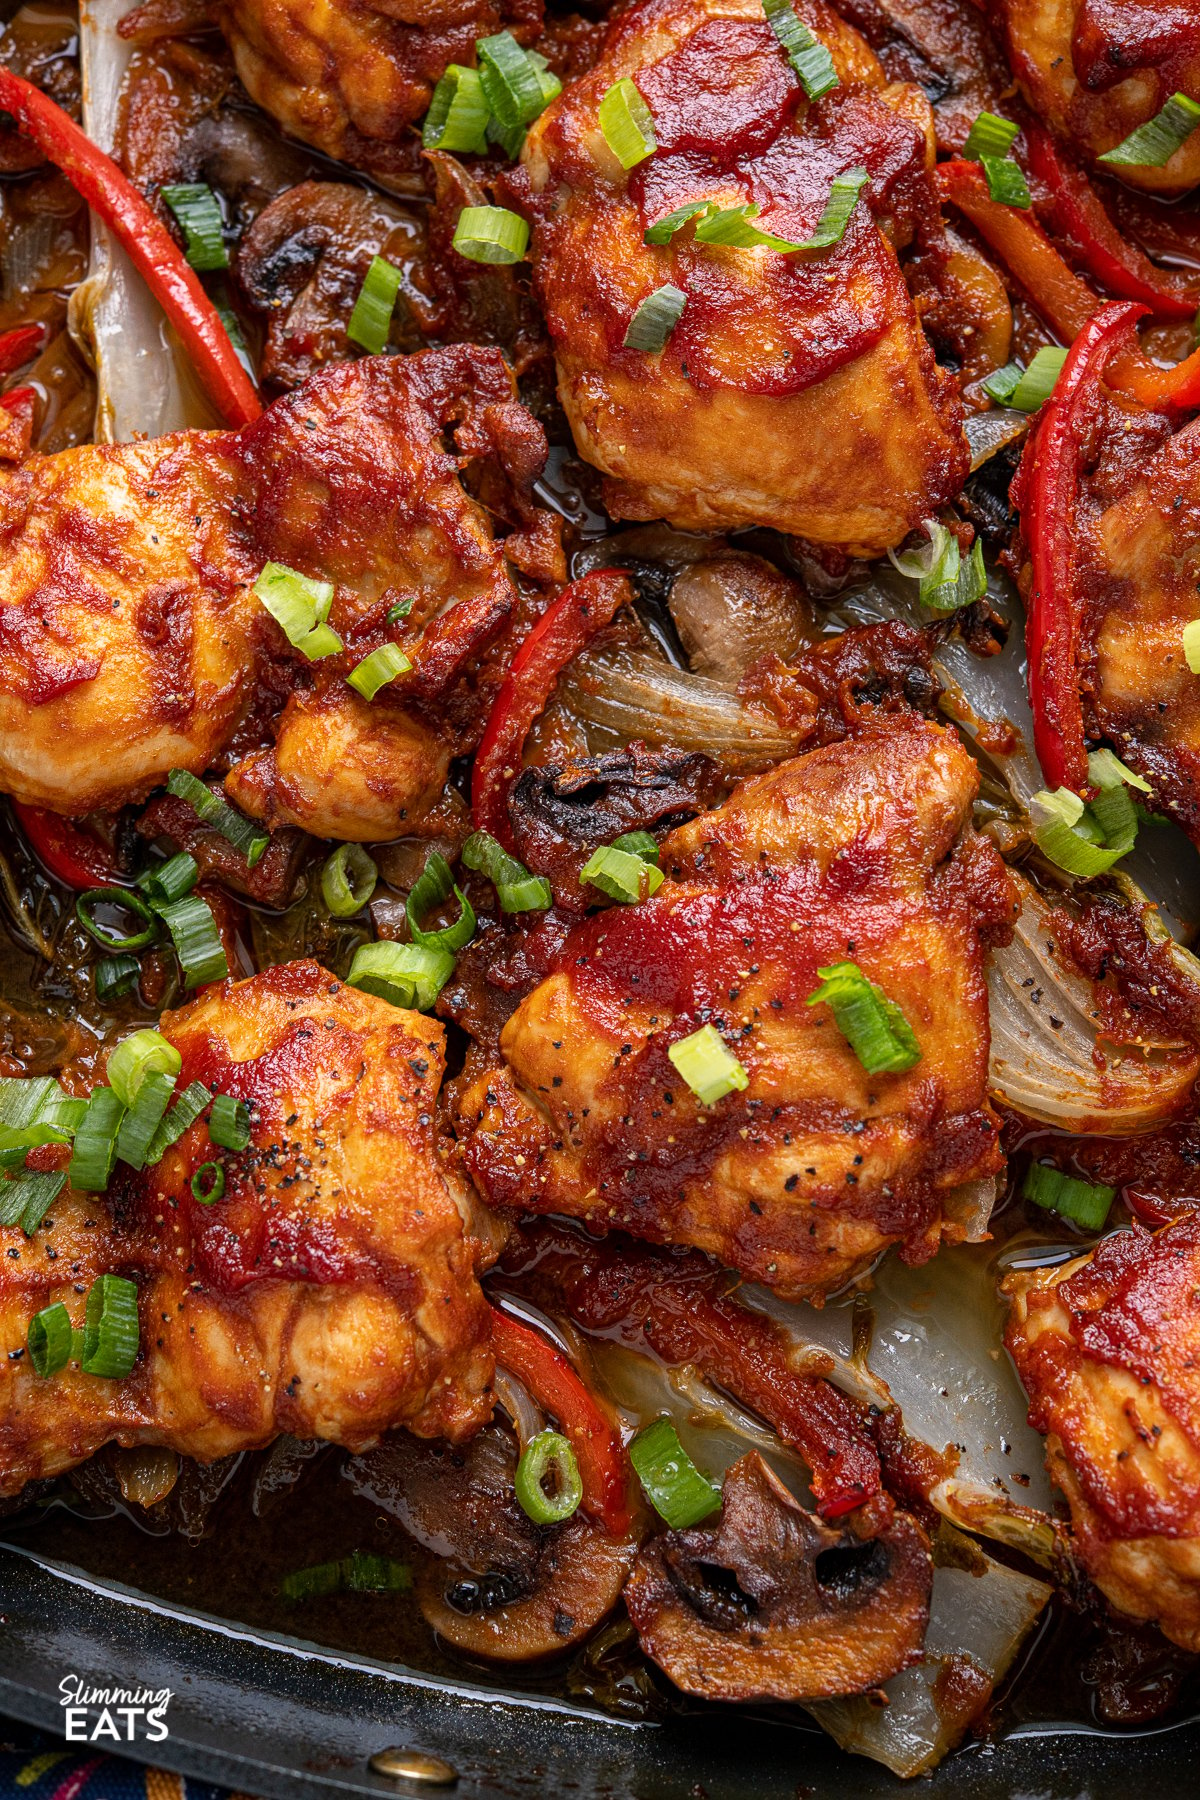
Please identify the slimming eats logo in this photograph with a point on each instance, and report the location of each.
(92, 1713)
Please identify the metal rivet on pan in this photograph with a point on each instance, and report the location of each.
(413, 1765)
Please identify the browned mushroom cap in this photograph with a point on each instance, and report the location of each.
(302, 264)
(771, 1603)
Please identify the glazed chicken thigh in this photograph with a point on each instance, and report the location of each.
(132, 642)
(860, 850)
(796, 390)
(330, 1292)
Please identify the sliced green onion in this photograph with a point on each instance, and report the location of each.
(408, 975)
(110, 1328)
(873, 1026)
(843, 198)
(296, 602)
(491, 234)
(664, 229)
(233, 331)
(169, 880)
(548, 1453)
(16, 1141)
(348, 880)
(1006, 182)
(198, 215)
(733, 227)
(229, 1123)
(400, 610)
(27, 1196)
(360, 1573)
(672, 1483)
(433, 885)
(709, 1067)
(1001, 384)
(378, 669)
(141, 1054)
(1106, 770)
(806, 53)
(371, 320)
(638, 843)
(144, 1118)
(217, 812)
(510, 79)
(627, 124)
(95, 1148)
(197, 941)
(110, 937)
(946, 581)
(186, 1110)
(116, 976)
(458, 114)
(321, 641)
(1037, 383)
(1088, 1203)
(621, 875)
(38, 1100)
(1191, 645)
(1156, 142)
(511, 138)
(50, 1338)
(1085, 840)
(655, 319)
(516, 889)
(208, 1183)
(990, 135)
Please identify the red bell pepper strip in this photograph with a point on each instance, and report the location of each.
(18, 345)
(1045, 494)
(153, 250)
(1064, 301)
(556, 1387)
(70, 854)
(1114, 261)
(1175, 389)
(562, 631)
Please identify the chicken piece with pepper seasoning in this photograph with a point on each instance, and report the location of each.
(795, 390)
(860, 851)
(328, 1291)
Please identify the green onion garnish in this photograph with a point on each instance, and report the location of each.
(408, 975)
(458, 114)
(95, 1148)
(549, 1453)
(144, 1117)
(990, 135)
(1156, 142)
(873, 1026)
(621, 875)
(377, 669)
(1085, 840)
(298, 605)
(1006, 182)
(1086, 1202)
(627, 124)
(50, 1338)
(400, 610)
(435, 884)
(371, 320)
(186, 1110)
(1190, 639)
(229, 1123)
(16, 1141)
(38, 1100)
(1001, 384)
(142, 1053)
(510, 80)
(217, 812)
(638, 843)
(733, 227)
(110, 1328)
(198, 215)
(233, 331)
(112, 937)
(664, 229)
(1037, 383)
(116, 976)
(208, 1183)
(655, 319)
(806, 53)
(197, 941)
(707, 1065)
(169, 880)
(348, 881)
(511, 138)
(27, 1196)
(491, 234)
(516, 889)
(360, 1573)
(672, 1483)
(1106, 770)
(946, 581)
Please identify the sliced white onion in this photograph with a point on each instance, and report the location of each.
(144, 380)
(527, 1418)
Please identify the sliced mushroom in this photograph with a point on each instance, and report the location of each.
(771, 1603)
(732, 609)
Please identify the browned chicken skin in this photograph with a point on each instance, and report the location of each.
(796, 391)
(1108, 1348)
(131, 641)
(859, 850)
(330, 1293)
